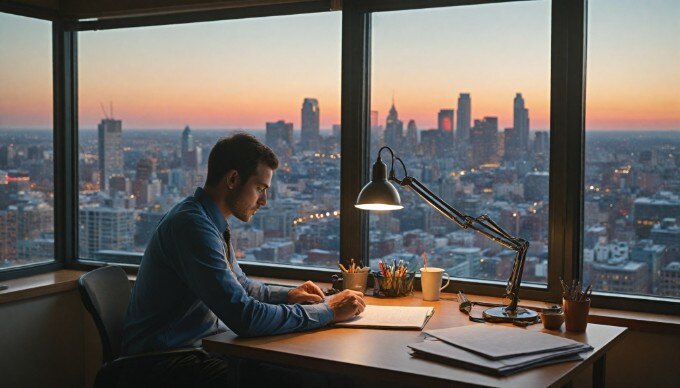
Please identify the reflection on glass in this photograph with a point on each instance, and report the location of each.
(631, 232)
(174, 92)
(26, 157)
(468, 112)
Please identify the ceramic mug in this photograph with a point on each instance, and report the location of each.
(431, 281)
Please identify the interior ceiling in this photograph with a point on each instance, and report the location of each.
(88, 9)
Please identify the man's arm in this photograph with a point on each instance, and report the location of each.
(258, 290)
(201, 264)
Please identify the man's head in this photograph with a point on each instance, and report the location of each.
(240, 170)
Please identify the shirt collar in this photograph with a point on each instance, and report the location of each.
(211, 208)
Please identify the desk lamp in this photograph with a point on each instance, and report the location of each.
(380, 194)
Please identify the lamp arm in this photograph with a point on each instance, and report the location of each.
(482, 225)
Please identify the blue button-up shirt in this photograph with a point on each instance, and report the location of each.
(186, 289)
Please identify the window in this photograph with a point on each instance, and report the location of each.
(154, 100)
(462, 94)
(26, 157)
(631, 229)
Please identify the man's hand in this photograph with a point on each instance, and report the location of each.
(346, 305)
(306, 293)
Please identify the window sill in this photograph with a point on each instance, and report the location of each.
(65, 280)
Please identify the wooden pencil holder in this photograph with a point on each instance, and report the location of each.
(576, 314)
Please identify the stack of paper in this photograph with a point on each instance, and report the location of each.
(496, 349)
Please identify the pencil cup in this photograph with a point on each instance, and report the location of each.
(393, 286)
(576, 314)
(354, 281)
(431, 282)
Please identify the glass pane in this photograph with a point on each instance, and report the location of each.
(26, 157)
(153, 102)
(462, 94)
(632, 198)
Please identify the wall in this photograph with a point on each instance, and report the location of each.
(48, 341)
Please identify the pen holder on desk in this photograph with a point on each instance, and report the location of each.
(391, 286)
(350, 281)
(576, 314)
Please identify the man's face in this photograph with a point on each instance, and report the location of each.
(247, 197)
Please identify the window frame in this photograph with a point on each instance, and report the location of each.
(52, 16)
(567, 138)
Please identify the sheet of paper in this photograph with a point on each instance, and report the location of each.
(397, 317)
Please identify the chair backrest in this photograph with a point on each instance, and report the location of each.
(105, 293)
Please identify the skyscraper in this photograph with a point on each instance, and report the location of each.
(105, 228)
(484, 141)
(464, 118)
(394, 129)
(412, 134)
(521, 122)
(110, 150)
(189, 151)
(309, 134)
(279, 136)
(512, 150)
(445, 120)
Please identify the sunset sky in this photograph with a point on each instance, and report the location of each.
(243, 73)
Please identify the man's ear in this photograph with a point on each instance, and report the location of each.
(232, 179)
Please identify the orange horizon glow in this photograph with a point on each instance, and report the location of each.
(249, 73)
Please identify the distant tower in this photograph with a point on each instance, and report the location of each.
(189, 150)
(309, 134)
(484, 141)
(464, 118)
(110, 150)
(412, 134)
(279, 136)
(394, 128)
(445, 120)
(521, 122)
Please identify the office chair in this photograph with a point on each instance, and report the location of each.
(105, 293)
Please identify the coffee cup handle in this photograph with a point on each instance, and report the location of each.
(448, 280)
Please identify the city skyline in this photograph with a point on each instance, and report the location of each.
(269, 77)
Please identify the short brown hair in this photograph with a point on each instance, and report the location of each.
(241, 152)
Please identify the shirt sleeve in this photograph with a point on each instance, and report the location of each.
(200, 262)
(258, 290)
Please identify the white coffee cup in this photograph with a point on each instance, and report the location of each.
(430, 282)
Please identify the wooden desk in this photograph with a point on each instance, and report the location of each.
(383, 355)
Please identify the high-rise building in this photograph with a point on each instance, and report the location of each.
(512, 151)
(32, 219)
(8, 235)
(412, 134)
(445, 120)
(669, 279)
(189, 151)
(309, 128)
(105, 228)
(484, 141)
(648, 211)
(521, 122)
(667, 233)
(645, 251)
(464, 118)
(394, 129)
(110, 150)
(279, 136)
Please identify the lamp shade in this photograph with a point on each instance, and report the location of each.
(379, 194)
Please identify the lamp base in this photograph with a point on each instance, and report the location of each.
(500, 315)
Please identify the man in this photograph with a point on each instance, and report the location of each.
(189, 285)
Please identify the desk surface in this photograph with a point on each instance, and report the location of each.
(382, 354)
